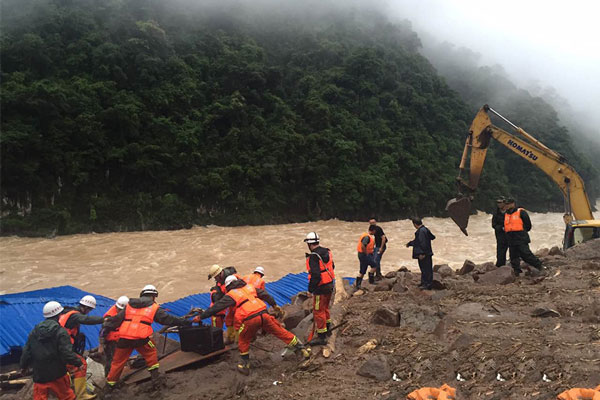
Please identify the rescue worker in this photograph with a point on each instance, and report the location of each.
(365, 248)
(423, 252)
(135, 330)
(250, 313)
(220, 274)
(48, 351)
(108, 343)
(256, 278)
(380, 247)
(516, 226)
(498, 226)
(321, 281)
(71, 319)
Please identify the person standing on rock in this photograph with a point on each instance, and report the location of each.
(498, 226)
(423, 252)
(48, 351)
(321, 281)
(516, 226)
(366, 248)
(380, 247)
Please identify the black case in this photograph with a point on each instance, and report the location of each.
(201, 339)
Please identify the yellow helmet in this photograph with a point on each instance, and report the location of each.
(213, 271)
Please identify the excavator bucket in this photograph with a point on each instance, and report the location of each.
(459, 210)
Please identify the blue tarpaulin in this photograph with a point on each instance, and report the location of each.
(20, 312)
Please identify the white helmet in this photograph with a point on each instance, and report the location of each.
(260, 270)
(213, 271)
(122, 302)
(88, 301)
(312, 238)
(52, 309)
(149, 289)
(230, 279)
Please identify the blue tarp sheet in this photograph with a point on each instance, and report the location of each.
(20, 312)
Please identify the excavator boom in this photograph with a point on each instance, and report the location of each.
(577, 205)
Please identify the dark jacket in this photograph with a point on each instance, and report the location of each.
(315, 271)
(227, 301)
(48, 350)
(79, 318)
(520, 237)
(161, 316)
(498, 225)
(422, 242)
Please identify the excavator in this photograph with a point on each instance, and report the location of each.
(579, 221)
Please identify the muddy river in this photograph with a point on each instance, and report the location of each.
(114, 264)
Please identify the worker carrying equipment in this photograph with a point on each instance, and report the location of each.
(48, 351)
(71, 319)
(250, 315)
(108, 342)
(256, 278)
(135, 328)
(321, 281)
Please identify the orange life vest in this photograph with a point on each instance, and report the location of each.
(222, 285)
(112, 336)
(370, 246)
(327, 274)
(246, 303)
(255, 280)
(445, 392)
(513, 222)
(213, 291)
(62, 320)
(580, 393)
(138, 322)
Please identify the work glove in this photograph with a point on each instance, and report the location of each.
(278, 311)
(231, 335)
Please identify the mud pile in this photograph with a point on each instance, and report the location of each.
(485, 332)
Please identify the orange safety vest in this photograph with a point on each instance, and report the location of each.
(138, 322)
(370, 245)
(255, 280)
(62, 320)
(327, 274)
(112, 336)
(247, 304)
(513, 222)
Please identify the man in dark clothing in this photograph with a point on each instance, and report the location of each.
(516, 226)
(48, 351)
(320, 267)
(250, 315)
(71, 319)
(380, 247)
(365, 249)
(135, 330)
(422, 252)
(498, 226)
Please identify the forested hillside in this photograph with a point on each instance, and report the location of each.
(154, 114)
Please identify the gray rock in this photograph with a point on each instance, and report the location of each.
(555, 251)
(384, 285)
(542, 252)
(376, 368)
(294, 314)
(390, 275)
(437, 283)
(500, 276)
(467, 267)
(386, 316)
(445, 271)
(399, 287)
(303, 328)
(299, 298)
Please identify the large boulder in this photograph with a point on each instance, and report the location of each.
(293, 315)
(437, 283)
(386, 316)
(384, 285)
(390, 275)
(376, 368)
(444, 270)
(467, 267)
(300, 298)
(542, 252)
(500, 276)
(555, 251)
(303, 328)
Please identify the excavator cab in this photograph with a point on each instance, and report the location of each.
(580, 231)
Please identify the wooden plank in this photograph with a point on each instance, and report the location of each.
(173, 361)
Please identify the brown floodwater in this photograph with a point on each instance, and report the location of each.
(176, 262)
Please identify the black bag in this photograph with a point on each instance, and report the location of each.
(201, 339)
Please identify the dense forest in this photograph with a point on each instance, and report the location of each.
(154, 114)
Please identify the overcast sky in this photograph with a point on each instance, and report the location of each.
(555, 42)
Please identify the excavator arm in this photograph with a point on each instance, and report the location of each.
(552, 163)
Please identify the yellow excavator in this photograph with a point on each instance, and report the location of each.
(580, 223)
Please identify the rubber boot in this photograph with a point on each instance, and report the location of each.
(158, 379)
(321, 340)
(358, 282)
(328, 329)
(80, 389)
(371, 278)
(244, 365)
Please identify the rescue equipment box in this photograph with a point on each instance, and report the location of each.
(201, 339)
